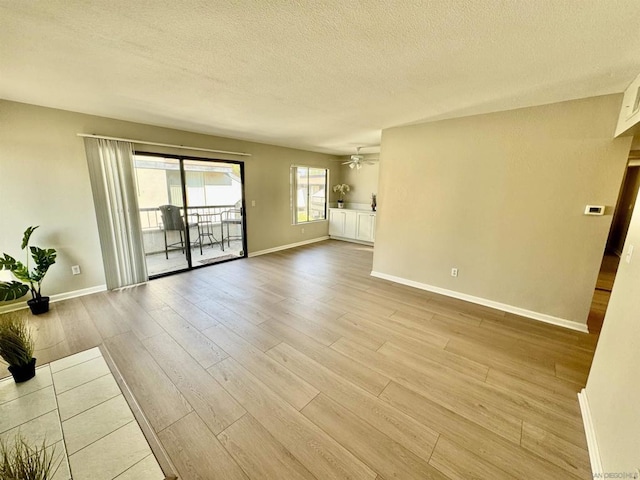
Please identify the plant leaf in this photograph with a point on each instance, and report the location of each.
(21, 273)
(44, 258)
(8, 263)
(27, 236)
(12, 290)
(16, 341)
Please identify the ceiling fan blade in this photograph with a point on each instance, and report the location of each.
(347, 163)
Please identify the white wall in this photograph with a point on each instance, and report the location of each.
(44, 181)
(613, 387)
(501, 197)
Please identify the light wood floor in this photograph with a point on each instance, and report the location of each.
(300, 365)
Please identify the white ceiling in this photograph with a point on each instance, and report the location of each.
(318, 75)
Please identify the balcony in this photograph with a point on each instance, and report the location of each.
(215, 233)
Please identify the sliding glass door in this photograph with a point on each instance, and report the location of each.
(192, 211)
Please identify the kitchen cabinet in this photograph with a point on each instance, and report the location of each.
(366, 226)
(352, 225)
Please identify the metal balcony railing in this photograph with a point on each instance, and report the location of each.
(150, 218)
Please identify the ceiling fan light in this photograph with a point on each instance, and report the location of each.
(351, 165)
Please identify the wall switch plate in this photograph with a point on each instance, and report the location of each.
(253, 203)
(75, 269)
(454, 272)
(627, 258)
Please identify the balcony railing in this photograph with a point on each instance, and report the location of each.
(152, 228)
(151, 219)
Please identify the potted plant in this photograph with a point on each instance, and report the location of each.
(16, 348)
(21, 461)
(28, 280)
(342, 189)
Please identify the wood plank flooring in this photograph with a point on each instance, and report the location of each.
(299, 364)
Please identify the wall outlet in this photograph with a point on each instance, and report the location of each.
(75, 269)
(454, 272)
(253, 203)
(302, 230)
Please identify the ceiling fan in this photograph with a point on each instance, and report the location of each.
(356, 161)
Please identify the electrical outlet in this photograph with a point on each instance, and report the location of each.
(75, 269)
(303, 230)
(454, 272)
(253, 203)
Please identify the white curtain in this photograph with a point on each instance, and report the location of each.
(113, 182)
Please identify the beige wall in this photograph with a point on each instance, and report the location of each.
(44, 181)
(613, 387)
(501, 197)
(363, 182)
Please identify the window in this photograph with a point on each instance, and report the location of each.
(308, 194)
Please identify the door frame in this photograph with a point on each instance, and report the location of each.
(181, 159)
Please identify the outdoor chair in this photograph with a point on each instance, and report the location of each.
(172, 221)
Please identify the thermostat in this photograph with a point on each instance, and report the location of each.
(594, 210)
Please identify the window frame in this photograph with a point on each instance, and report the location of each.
(293, 181)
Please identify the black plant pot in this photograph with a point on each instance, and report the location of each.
(22, 373)
(39, 305)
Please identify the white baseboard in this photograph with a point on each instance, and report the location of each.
(12, 307)
(352, 240)
(542, 317)
(285, 247)
(592, 444)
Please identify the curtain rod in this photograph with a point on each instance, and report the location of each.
(141, 142)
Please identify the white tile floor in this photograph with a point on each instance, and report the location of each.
(76, 406)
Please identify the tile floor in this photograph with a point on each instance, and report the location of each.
(76, 406)
(158, 264)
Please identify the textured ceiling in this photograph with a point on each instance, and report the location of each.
(319, 75)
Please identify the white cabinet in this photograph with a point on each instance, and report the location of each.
(630, 110)
(353, 225)
(366, 226)
(342, 223)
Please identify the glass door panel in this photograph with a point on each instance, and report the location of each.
(162, 216)
(215, 211)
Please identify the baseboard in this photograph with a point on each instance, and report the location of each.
(286, 247)
(592, 444)
(12, 307)
(542, 317)
(352, 240)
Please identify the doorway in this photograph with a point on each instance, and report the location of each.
(191, 211)
(615, 243)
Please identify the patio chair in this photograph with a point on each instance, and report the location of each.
(172, 221)
(233, 216)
